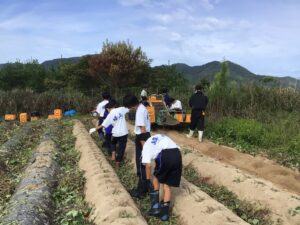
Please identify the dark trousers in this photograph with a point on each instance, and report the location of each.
(197, 120)
(140, 168)
(107, 143)
(118, 144)
(100, 131)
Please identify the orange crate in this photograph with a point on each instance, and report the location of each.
(23, 117)
(58, 114)
(151, 112)
(10, 117)
(51, 117)
(180, 118)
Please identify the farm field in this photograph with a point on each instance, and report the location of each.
(54, 172)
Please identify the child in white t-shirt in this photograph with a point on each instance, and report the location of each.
(142, 130)
(168, 169)
(116, 118)
(100, 109)
(175, 104)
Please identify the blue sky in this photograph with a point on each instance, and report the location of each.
(262, 35)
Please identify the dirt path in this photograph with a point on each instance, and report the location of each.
(258, 166)
(104, 192)
(192, 206)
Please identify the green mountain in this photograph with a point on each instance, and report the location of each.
(195, 73)
(49, 64)
(237, 73)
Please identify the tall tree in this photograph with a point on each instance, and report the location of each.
(120, 64)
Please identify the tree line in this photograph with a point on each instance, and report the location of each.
(118, 65)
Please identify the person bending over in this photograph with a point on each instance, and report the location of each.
(116, 118)
(142, 130)
(168, 169)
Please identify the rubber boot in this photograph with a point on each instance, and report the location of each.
(200, 135)
(190, 134)
(164, 211)
(155, 205)
(141, 190)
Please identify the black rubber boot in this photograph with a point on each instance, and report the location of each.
(164, 211)
(155, 205)
(141, 190)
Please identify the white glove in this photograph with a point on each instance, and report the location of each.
(92, 130)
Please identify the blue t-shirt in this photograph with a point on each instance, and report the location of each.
(108, 130)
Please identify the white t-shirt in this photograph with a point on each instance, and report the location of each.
(154, 145)
(116, 118)
(101, 108)
(144, 93)
(142, 119)
(176, 105)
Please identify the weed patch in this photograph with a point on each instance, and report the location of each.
(277, 137)
(70, 206)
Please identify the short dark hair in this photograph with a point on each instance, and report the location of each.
(111, 104)
(165, 90)
(172, 99)
(130, 101)
(106, 95)
(144, 98)
(198, 87)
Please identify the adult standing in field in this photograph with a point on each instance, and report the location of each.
(142, 130)
(100, 109)
(198, 102)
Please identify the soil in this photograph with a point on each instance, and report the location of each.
(103, 191)
(259, 166)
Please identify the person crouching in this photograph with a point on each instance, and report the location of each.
(168, 169)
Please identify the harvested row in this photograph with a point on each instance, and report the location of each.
(16, 153)
(193, 206)
(6, 130)
(15, 143)
(32, 201)
(104, 191)
(280, 176)
(247, 187)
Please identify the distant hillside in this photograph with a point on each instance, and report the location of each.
(55, 62)
(194, 73)
(237, 73)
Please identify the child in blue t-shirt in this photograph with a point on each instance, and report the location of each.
(108, 131)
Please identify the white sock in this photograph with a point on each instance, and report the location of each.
(200, 132)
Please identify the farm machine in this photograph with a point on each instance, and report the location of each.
(161, 115)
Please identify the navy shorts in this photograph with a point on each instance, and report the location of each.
(168, 167)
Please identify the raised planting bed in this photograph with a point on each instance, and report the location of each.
(32, 202)
(110, 201)
(7, 129)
